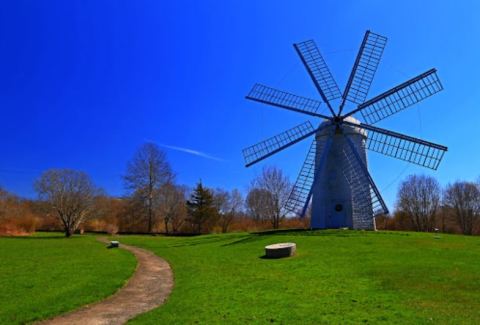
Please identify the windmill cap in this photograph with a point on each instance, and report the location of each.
(326, 127)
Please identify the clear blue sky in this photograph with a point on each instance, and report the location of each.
(84, 83)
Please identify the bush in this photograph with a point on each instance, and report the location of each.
(16, 216)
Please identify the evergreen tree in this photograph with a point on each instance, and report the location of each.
(201, 209)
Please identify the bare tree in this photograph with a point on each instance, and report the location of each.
(220, 200)
(463, 199)
(146, 173)
(172, 206)
(257, 202)
(9, 205)
(236, 205)
(419, 198)
(275, 188)
(132, 217)
(4, 195)
(229, 205)
(69, 194)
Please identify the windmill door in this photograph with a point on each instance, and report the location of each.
(337, 215)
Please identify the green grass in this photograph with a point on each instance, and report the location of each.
(339, 277)
(46, 275)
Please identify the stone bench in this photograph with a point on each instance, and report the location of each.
(114, 244)
(280, 250)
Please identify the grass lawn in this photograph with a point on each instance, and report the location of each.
(337, 277)
(46, 275)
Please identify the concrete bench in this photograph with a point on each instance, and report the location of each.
(114, 244)
(280, 250)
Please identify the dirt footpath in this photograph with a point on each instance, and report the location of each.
(147, 289)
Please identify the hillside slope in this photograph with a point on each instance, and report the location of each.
(336, 277)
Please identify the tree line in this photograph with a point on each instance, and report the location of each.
(154, 202)
(423, 205)
(69, 201)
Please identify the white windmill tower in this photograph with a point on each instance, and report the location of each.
(335, 175)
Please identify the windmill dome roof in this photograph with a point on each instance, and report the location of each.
(348, 129)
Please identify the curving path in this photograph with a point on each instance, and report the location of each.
(147, 289)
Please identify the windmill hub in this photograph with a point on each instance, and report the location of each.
(334, 175)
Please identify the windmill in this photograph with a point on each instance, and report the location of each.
(334, 175)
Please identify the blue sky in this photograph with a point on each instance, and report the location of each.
(84, 83)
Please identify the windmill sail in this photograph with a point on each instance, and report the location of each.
(318, 71)
(366, 199)
(302, 190)
(270, 146)
(364, 68)
(403, 147)
(400, 97)
(271, 96)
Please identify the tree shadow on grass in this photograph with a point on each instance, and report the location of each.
(38, 238)
(295, 231)
(255, 236)
(248, 239)
(205, 241)
(46, 235)
(342, 232)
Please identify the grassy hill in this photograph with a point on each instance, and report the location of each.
(46, 275)
(337, 277)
